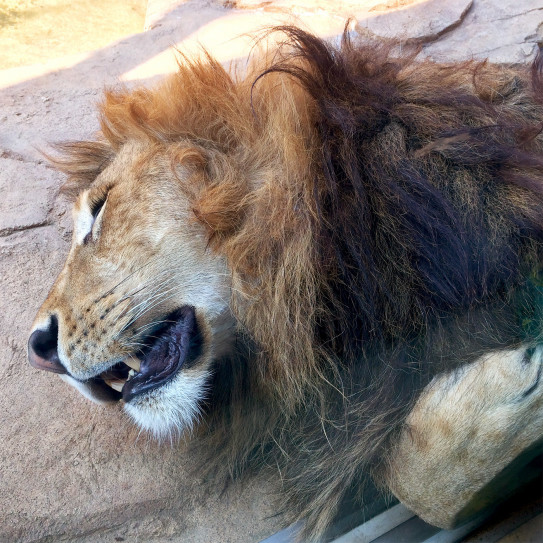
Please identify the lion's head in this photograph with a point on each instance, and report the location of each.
(299, 252)
(157, 317)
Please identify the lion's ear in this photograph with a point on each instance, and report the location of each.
(215, 188)
(189, 159)
(220, 209)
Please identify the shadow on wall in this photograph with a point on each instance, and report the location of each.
(126, 54)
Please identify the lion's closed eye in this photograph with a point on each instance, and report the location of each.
(96, 207)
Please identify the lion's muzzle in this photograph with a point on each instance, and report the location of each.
(175, 345)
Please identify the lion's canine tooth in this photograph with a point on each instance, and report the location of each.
(115, 384)
(133, 363)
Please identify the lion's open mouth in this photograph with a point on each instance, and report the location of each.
(174, 346)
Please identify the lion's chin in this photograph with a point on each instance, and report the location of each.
(173, 409)
(166, 412)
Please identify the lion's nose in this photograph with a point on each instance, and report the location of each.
(42, 348)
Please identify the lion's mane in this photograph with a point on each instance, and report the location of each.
(382, 218)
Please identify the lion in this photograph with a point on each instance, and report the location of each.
(333, 259)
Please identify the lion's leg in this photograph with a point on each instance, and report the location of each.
(454, 456)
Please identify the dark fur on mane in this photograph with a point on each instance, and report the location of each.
(403, 240)
(429, 198)
(398, 234)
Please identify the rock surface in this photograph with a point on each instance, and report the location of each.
(425, 21)
(500, 31)
(72, 471)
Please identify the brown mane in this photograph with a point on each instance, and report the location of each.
(382, 218)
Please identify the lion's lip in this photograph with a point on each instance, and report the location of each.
(173, 346)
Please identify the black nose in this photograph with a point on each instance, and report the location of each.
(42, 348)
